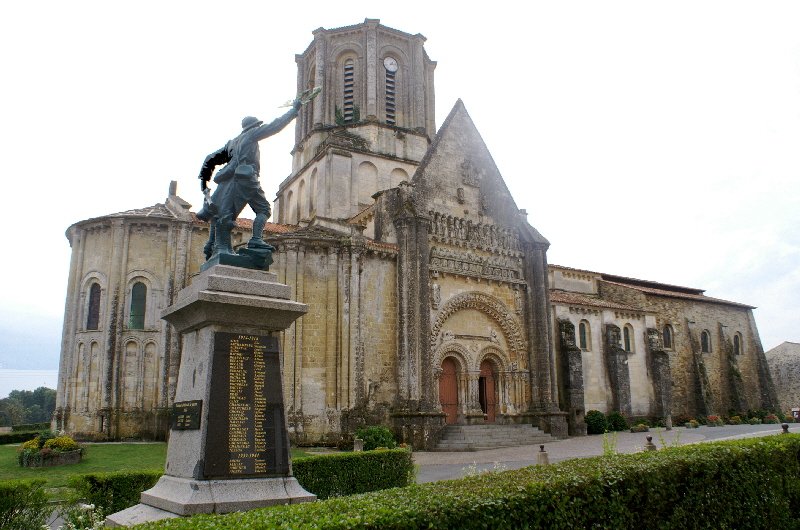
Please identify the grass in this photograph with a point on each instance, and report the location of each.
(96, 458)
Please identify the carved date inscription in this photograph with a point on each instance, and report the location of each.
(246, 434)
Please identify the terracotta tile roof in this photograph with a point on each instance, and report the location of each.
(379, 245)
(570, 298)
(247, 224)
(363, 216)
(676, 294)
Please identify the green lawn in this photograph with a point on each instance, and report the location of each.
(96, 458)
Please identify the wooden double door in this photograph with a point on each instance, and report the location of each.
(449, 390)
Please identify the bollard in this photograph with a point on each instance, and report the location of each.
(542, 459)
(358, 444)
(650, 446)
(785, 428)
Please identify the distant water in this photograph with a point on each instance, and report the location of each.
(26, 380)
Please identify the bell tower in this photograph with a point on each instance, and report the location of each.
(368, 129)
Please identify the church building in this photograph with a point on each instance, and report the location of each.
(431, 300)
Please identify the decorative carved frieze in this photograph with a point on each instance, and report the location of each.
(501, 268)
(460, 231)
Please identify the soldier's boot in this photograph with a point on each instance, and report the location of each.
(257, 241)
(222, 243)
(208, 249)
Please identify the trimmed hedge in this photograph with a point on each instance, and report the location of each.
(27, 427)
(753, 483)
(112, 492)
(325, 476)
(341, 474)
(23, 504)
(596, 422)
(17, 437)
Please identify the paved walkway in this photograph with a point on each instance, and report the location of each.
(435, 466)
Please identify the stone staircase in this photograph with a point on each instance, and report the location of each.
(491, 436)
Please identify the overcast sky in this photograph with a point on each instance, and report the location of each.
(652, 140)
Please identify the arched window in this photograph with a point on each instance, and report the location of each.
(584, 336)
(348, 104)
(627, 338)
(287, 212)
(390, 65)
(301, 195)
(312, 190)
(667, 334)
(138, 304)
(93, 313)
(737, 344)
(705, 341)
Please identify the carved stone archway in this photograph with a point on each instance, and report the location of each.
(488, 305)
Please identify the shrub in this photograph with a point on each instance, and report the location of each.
(617, 422)
(62, 443)
(771, 418)
(596, 422)
(23, 504)
(640, 427)
(692, 424)
(698, 486)
(376, 436)
(112, 492)
(348, 473)
(755, 420)
(714, 421)
(734, 420)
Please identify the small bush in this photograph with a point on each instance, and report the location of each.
(62, 443)
(640, 427)
(376, 436)
(734, 420)
(112, 492)
(755, 420)
(342, 474)
(771, 418)
(595, 422)
(23, 504)
(714, 421)
(692, 424)
(617, 422)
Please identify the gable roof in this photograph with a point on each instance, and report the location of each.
(458, 158)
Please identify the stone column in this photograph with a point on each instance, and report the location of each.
(619, 376)
(662, 375)
(229, 446)
(572, 363)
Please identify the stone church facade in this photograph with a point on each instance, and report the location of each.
(430, 297)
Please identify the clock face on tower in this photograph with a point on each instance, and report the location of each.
(390, 64)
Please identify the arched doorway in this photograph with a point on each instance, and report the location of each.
(487, 390)
(448, 390)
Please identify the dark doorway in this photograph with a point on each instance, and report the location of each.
(487, 390)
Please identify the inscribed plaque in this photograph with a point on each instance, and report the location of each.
(246, 434)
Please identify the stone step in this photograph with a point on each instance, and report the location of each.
(490, 436)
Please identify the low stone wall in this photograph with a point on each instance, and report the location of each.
(54, 459)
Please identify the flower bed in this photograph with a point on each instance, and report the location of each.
(47, 450)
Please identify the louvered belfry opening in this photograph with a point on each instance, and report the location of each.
(349, 76)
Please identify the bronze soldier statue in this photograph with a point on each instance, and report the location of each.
(237, 182)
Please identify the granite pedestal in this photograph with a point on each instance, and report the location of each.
(228, 448)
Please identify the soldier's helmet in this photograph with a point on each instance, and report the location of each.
(249, 122)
